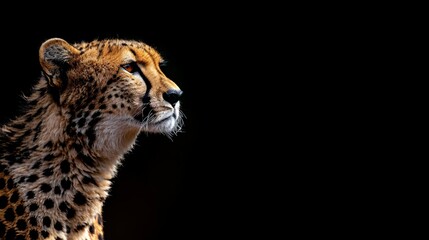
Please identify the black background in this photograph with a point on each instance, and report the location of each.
(274, 135)
(207, 182)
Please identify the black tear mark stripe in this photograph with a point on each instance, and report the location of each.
(145, 79)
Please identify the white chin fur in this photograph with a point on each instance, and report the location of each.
(166, 126)
(115, 136)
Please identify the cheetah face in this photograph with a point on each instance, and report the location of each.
(153, 111)
(111, 89)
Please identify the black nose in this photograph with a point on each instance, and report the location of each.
(172, 96)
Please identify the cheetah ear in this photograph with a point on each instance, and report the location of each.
(54, 55)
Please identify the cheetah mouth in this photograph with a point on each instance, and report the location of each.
(155, 118)
(163, 121)
(152, 120)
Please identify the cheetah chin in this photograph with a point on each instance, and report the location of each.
(168, 121)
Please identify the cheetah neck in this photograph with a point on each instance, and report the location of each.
(52, 161)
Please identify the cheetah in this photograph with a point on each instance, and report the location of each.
(84, 113)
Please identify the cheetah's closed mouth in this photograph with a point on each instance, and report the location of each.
(165, 119)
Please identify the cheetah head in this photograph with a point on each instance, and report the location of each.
(110, 91)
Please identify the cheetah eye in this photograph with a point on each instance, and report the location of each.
(131, 67)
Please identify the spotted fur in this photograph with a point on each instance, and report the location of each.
(58, 157)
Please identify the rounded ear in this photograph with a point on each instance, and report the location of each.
(54, 55)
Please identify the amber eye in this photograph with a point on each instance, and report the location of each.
(130, 67)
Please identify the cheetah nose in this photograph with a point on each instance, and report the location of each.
(172, 96)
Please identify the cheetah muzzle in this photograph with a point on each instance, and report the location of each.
(58, 156)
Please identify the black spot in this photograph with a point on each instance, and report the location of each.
(26, 133)
(88, 180)
(34, 207)
(91, 229)
(37, 131)
(2, 229)
(101, 100)
(79, 199)
(114, 106)
(81, 122)
(32, 178)
(58, 238)
(2, 183)
(19, 237)
(100, 237)
(68, 229)
(45, 188)
(11, 234)
(103, 106)
(21, 180)
(33, 221)
(100, 220)
(45, 234)
(48, 203)
(30, 194)
(20, 210)
(48, 172)
(9, 215)
(47, 222)
(77, 147)
(34, 235)
(57, 190)
(58, 226)
(91, 106)
(96, 114)
(3, 202)
(14, 197)
(110, 81)
(70, 213)
(39, 111)
(48, 145)
(18, 125)
(2, 167)
(86, 159)
(32, 103)
(10, 184)
(66, 184)
(48, 157)
(80, 227)
(6, 172)
(65, 166)
(63, 207)
(21, 224)
(36, 165)
(91, 130)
